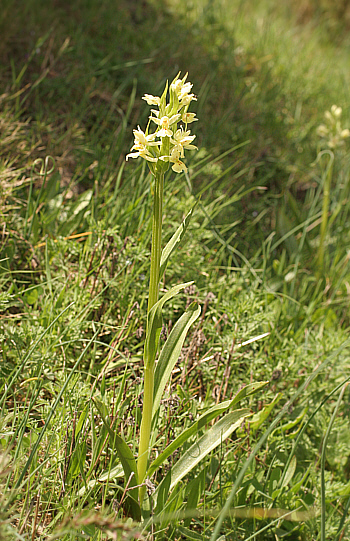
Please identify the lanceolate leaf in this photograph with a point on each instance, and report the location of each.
(206, 443)
(186, 434)
(154, 324)
(174, 241)
(202, 421)
(171, 352)
(125, 456)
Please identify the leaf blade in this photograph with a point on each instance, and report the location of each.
(174, 241)
(206, 443)
(154, 324)
(171, 352)
(204, 419)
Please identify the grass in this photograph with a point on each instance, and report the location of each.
(75, 241)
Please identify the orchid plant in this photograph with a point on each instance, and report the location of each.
(333, 141)
(163, 148)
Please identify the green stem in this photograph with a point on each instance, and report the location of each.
(156, 250)
(325, 211)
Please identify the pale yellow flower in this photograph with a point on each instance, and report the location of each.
(142, 153)
(178, 85)
(165, 123)
(178, 166)
(329, 116)
(186, 99)
(336, 111)
(151, 100)
(181, 141)
(187, 118)
(322, 130)
(143, 140)
(186, 89)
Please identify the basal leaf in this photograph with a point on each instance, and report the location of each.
(206, 443)
(203, 420)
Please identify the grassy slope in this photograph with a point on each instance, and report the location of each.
(81, 112)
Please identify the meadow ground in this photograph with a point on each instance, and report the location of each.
(267, 248)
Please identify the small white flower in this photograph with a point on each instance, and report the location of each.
(336, 111)
(187, 118)
(187, 98)
(151, 100)
(181, 140)
(178, 166)
(165, 123)
(143, 140)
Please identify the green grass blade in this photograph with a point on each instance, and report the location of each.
(27, 356)
(226, 509)
(52, 411)
(125, 455)
(323, 464)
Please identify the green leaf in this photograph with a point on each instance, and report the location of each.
(206, 443)
(124, 454)
(291, 424)
(154, 324)
(193, 493)
(260, 417)
(109, 475)
(290, 472)
(247, 390)
(202, 421)
(162, 104)
(295, 488)
(174, 242)
(189, 534)
(32, 296)
(171, 352)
